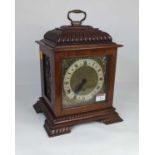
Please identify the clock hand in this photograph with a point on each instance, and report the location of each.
(80, 86)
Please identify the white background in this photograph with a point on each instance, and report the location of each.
(118, 18)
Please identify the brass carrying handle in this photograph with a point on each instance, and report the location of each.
(76, 23)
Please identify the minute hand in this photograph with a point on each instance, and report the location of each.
(80, 86)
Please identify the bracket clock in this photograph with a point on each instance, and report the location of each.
(77, 76)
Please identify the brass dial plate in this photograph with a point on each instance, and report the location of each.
(84, 81)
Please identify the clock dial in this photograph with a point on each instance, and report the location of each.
(83, 80)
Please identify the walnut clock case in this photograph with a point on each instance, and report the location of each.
(77, 76)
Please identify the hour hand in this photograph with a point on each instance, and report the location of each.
(80, 86)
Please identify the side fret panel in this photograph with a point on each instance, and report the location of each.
(47, 76)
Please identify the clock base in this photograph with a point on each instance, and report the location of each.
(60, 125)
